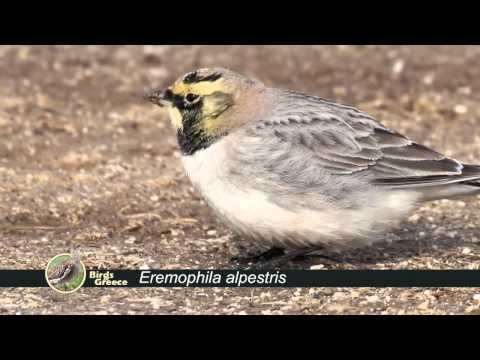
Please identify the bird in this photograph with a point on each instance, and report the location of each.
(299, 173)
(64, 272)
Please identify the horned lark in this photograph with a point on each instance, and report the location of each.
(295, 171)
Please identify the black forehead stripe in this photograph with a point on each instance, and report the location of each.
(190, 78)
(212, 77)
(193, 78)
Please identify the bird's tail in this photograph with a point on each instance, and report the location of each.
(472, 170)
(473, 182)
(466, 184)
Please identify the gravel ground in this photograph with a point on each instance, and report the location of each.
(84, 162)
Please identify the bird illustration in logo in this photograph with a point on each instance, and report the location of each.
(66, 271)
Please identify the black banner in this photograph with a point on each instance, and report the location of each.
(253, 278)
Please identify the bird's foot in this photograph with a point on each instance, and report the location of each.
(271, 259)
(276, 258)
(332, 259)
(280, 260)
(263, 256)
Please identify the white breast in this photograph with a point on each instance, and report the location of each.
(250, 213)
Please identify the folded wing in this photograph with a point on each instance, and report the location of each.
(345, 141)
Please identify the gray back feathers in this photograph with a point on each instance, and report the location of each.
(308, 142)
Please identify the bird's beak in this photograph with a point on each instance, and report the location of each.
(159, 97)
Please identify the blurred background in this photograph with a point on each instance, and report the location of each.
(85, 162)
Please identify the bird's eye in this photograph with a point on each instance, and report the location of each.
(192, 98)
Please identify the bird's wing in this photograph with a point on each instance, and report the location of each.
(344, 141)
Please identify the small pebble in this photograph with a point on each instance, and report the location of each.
(424, 306)
(429, 79)
(131, 240)
(460, 109)
(452, 234)
(414, 218)
(398, 67)
(465, 90)
(339, 295)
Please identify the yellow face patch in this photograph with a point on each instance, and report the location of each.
(202, 88)
(175, 117)
(210, 106)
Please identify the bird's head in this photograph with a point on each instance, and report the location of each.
(206, 104)
(76, 256)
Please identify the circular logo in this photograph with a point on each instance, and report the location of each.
(65, 273)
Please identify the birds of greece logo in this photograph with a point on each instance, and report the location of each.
(65, 273)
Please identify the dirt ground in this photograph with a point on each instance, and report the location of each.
(86, 163)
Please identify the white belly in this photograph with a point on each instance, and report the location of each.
(251, 214)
